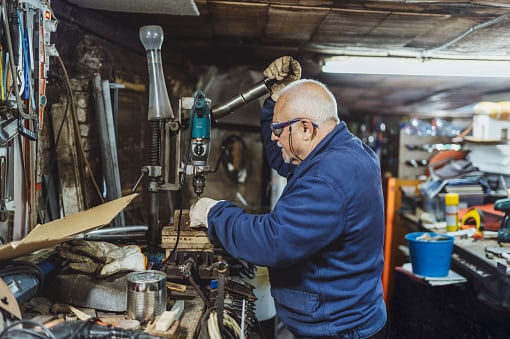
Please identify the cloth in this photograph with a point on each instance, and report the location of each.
(284, 70)
(323, 241)
(199, 211)
(101, 257)
(458, 169)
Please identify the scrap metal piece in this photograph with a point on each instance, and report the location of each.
(88, 291)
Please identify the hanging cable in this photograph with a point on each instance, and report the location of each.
(54, 151)
(182, 181)
(76, 128)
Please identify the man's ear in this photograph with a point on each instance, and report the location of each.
(308, 130)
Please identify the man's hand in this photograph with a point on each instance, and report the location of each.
(199, 211)
(283, 70)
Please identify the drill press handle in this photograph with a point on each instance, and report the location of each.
(504, 229)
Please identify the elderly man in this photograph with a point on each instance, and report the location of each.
(323, 241)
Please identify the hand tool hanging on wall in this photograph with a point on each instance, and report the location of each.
(44, 25)
(13, 28)
(26, 30)
(27, 26)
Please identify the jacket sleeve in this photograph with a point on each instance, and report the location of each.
(289, 233)
(273, 152)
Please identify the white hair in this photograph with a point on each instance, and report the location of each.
(311, 99)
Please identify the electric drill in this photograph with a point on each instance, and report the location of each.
(200, 124)
(504, 228)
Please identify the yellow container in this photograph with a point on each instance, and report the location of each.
(451, 210)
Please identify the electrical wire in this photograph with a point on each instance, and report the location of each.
(208, 327)
(54, 152)
(182, 192)
(220, 158)
(231, 328)
(228, 159)
(24, 184)
(82, 327)
(12, 329)
(76, 128)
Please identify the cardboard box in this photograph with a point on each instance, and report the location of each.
(61, 230)
(487, 128)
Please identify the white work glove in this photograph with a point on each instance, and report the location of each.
(101, 258)
(125, 258)
(199, 211)
(284, 70)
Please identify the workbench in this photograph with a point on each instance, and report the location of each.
(478, 308)
(487, 274)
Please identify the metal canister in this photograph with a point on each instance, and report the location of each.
(451, 211)
(146, 295)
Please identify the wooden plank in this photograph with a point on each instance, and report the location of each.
(189, 238)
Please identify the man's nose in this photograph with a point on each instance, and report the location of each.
(273, 137)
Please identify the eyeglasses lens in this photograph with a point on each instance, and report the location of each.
(277, 131)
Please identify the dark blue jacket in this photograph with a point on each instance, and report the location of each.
(323, 241)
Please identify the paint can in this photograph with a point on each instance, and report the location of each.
(146, 295)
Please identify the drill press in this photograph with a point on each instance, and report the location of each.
(165, 169)
(200, 124)
(160, 111)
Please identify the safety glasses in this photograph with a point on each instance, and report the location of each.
(278, 127)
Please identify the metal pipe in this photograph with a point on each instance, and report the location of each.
(466, 33)
(259, 89)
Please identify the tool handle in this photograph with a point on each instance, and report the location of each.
(502, 205)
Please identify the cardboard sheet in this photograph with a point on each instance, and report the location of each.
(61, 230)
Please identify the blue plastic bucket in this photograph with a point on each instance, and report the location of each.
(430, 258)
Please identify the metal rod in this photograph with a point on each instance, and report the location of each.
(258, 90)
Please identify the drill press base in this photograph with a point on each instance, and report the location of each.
(189, 238)
(192, 243)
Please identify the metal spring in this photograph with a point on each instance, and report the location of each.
(153, 143)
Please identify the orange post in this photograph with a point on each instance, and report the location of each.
(388, 238)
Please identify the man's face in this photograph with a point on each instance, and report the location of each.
(284, 139)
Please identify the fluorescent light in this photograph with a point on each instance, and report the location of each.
(415, 66)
